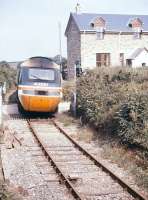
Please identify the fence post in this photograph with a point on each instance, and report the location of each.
(0, 106)
(75, 92)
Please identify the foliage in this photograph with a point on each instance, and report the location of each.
(115, 100)
(68, 89)
(132, 120)
(57, 59)
(7, 74)
(9, 192)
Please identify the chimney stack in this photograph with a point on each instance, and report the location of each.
(78, 8)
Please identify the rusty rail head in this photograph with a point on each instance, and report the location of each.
(98, 163)
(75, 194)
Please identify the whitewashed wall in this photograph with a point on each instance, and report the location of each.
(142, 58)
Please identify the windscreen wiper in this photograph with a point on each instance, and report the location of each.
(37, 77)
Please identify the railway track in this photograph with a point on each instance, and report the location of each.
(85, 177)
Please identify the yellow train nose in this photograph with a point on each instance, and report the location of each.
(40, 103)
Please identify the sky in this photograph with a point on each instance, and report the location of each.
(30, 27)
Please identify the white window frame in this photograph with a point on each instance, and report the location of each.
(99, 33)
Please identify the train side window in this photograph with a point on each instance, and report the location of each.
(20, 77)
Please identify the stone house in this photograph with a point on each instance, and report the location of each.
(139, 57)
(95, 40)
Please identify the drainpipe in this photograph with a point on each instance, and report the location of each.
(119, 38)
(75, 93)
(84, 50)
(60, 46)
(1, 106)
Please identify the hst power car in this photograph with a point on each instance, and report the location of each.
(39, 85)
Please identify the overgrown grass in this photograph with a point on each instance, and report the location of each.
(68, 89)
(132, 162)
(7, 75)
(115, 100)
(8, 192)
(129, 160)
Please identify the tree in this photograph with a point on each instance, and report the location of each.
(57, 60)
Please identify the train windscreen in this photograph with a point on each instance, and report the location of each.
(40, 74)
(29, 76)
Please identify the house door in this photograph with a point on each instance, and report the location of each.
(129, 62)
(102, 59)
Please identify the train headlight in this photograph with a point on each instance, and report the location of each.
(30, 92)
(55, 93)
(20, 92)
(61, 94)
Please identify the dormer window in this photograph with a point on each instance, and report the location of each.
(100, 33)
(98, 24)
(136, 26)
(137, 33)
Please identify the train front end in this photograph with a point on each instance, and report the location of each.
(39, 89)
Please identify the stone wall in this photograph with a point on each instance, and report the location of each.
(112, 43)
(73, 48)
(84, 46)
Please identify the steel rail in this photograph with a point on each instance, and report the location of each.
(70, 187)
(98, 163)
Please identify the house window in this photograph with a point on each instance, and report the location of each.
(136, 26)
(135, 23)
(97, 22)
(98, 25)
(129, 62)
(102, 59)
(122, 59)
(100, 33)
(137, 35)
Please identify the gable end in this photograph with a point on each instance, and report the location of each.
(71, 18)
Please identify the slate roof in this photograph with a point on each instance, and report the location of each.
(114, 22)
(137, 52)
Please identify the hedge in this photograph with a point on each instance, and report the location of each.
(116, 101)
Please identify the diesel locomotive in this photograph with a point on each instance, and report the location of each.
(39, 85)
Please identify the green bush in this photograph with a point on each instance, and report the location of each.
(132, 120)
(107, 98)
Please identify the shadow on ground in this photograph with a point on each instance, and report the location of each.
(12, 98)
(33, 115)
